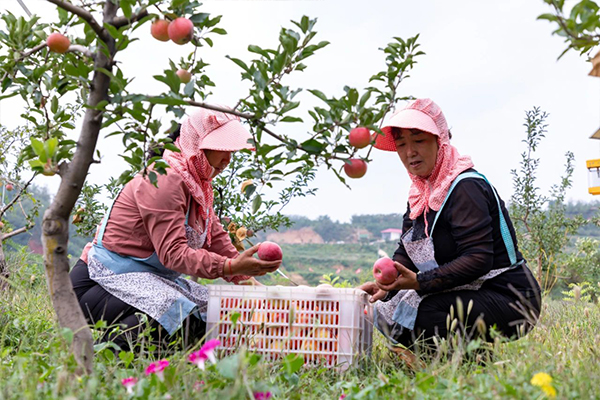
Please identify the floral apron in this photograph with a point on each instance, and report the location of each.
(400, 312)
(146, 284)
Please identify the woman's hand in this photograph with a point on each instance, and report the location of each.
(245, 264)
(373, 290)
(407, 279)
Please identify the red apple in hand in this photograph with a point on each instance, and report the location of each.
(269, 251)
(58, 43)
(159, 30)
(355, 168)
(184, 75)
(181, 30)
(359, 137)
(384, 271)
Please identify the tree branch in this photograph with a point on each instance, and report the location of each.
(118, 22)
(253, 118)
(77, 48)
(83, 14)
(17, 196)
(15, 232)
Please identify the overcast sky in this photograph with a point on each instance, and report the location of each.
(486, 63)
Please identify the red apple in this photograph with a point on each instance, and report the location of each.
(269, 251)
(181, 30)
(384, 271)
(58, 43)
(184, 75)
(355, 168)
(9, 187)
(359, 137)
(159, 30)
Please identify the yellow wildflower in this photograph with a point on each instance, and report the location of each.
(246, 183)
(549, 390)
(541, 379)
(241, 233)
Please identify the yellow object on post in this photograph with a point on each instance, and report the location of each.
(593, 176)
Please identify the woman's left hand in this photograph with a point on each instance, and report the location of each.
(407, 279)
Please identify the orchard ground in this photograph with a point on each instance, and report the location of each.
(35, 362)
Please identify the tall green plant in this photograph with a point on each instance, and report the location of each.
(541, 224)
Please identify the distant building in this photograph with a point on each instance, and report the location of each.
(391, 234)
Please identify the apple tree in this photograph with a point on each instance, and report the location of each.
(13, 190)
(69, 74)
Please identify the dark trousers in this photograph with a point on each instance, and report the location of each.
(511, 315)
(99, 305)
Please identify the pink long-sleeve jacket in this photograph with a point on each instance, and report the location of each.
(147, 219)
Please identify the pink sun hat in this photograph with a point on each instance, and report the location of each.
(421, 114)
(220, 131)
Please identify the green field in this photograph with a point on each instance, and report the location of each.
(35, 362)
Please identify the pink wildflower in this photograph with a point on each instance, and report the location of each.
(198, 358)
(358, 271)
(343, 396)
(337, 271)
(209, 349)
(157, 368)
(198, 385)
(129, 383)
(262, 395)
(206, 352)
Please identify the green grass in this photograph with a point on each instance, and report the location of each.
(35, 362)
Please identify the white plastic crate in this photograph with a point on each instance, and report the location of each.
(327, 326)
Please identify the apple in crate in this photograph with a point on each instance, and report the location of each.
(269, 251)
(384, 271)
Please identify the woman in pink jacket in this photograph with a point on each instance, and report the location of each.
(152, 235)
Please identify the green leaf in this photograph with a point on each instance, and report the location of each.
(199, 18)
(54, 105)
(319, 94)
(189, 89)
(256, 203)
(255, 49)
(291, 119)
(293, 363)
(50, 146)
(39, 150)
(219, 31)
(239, 63)
(170, 101)
(313, 146)
(229, 366)
(126, 7)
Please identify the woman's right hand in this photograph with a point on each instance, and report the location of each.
(373, 290)
(245, 264)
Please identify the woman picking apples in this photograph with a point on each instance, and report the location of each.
(458, 243)
(151, 235)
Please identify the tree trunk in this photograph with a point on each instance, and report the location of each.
(4, 273)
(55, 226)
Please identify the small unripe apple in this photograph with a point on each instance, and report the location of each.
(181, 30)
(58, 43)
(1, 224)
(269, 251)
(184, 75)
(355, 168)
(160, 30)
(49, 169)
(9, 187)
(359, 137)
(249, 233)
(384, 271)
